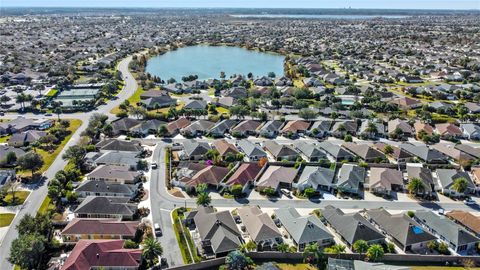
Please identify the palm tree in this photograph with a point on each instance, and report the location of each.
(360, 246)
(312, 254)
(460, 185)
(375, 252)
(151, 251)
(203, 199)
(283, 247)
(335, 249)
(249, 246)
(415, 186)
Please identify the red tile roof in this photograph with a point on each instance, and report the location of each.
(245, 172)
(96, 253)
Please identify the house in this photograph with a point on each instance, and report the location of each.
(129, 159)
(311, 151)
(472, 107)
(119, 146)
(448, 131)
(424, 153)
(318, 178)
(421, 127)
(385, 180)
(350, 179)
(197, 128)
(475, 171)
(159, 102)
(276, 177)
(320, 129)
(194, 150)
(223, 127)
(210, 175)
(471, 131)
(153, 94)
(217, 231)
(297, 127)
(446, 179)
(176, 126)
(399, 129)
(468, 149)
(304, 230)
(457, 238)
(80, 228)
(114, 173)
(102, 188)
(123, 125)
(280, 151)
(260, 227)
(225, 148)
(336, 152)
(245, 175)
(246, 128)
(407, 103)
(102, 254)
(236, 92)
(26, 137)
(195, 104)
(365, 152)
(5, 150)
(252, 151)
(416, 170)
(147, 127)
(271, 129)
(6, 176)
(106, 207)
(467, 220)
(352, 227)
(449, 150)
(371, 130)
(401, 229)
(398, 154)
(21, 124)
(342, 128)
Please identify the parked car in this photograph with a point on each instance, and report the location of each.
(158, 230)
(154, 165)
(469, 201)
(286, 192)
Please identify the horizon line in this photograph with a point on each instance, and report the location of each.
(251, 8)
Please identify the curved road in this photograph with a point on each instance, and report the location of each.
(36, 197)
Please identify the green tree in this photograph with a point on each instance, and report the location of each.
(360, 246)
(27, 250)
(248, 246)
(307, 114)
(388, 149)
(460, 185)
(237, 260)
(269, 191)
(309, 192)
(443, 248)
(75, 154)
(40, 224)
(30, 161)
(236, 190)
(312, 254)
(204, 199)
(432, 245)
(151, 251)
(11, 158)
(283, 247)
(348, 138)
(415, 186)
(335, 249)
(375, 252)
(162, 131)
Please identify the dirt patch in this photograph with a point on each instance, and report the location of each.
(176, 192)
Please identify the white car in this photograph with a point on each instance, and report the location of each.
(469, 201)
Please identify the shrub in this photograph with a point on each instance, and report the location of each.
(411, 214)
(129, 244)
(309, 192)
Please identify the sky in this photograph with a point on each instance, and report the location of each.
(380, 4)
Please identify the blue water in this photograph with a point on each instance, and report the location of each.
(208, 61)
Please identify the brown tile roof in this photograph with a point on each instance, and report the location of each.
(101, 253)
(178, 124)
(448, 129)
(245, 172)
(99, 226)
(224, 147)
(295, 126)
(385, 178)
(419, 126)
(210, 175)
(467, 219)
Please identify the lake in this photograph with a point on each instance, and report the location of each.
(208, 61)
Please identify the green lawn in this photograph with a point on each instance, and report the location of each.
(133, 99)
(4, 139)
(179, 228)
(20, 197)
(52, 92)
(46, 206)
(222, 110)
(6, 219)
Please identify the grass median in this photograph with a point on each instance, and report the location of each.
(6, 219)
(184, 239)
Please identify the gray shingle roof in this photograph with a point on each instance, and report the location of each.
(250, 149)
(303, 229)
(310, 150)
(445, 227)
(448, 176)
(102, 186)
(351, 227)
(335, 151)
(350, 176)
(106, 205)
(194, 148)
(258, 224)
(316, 176)
(279, 150)
(424, 152)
